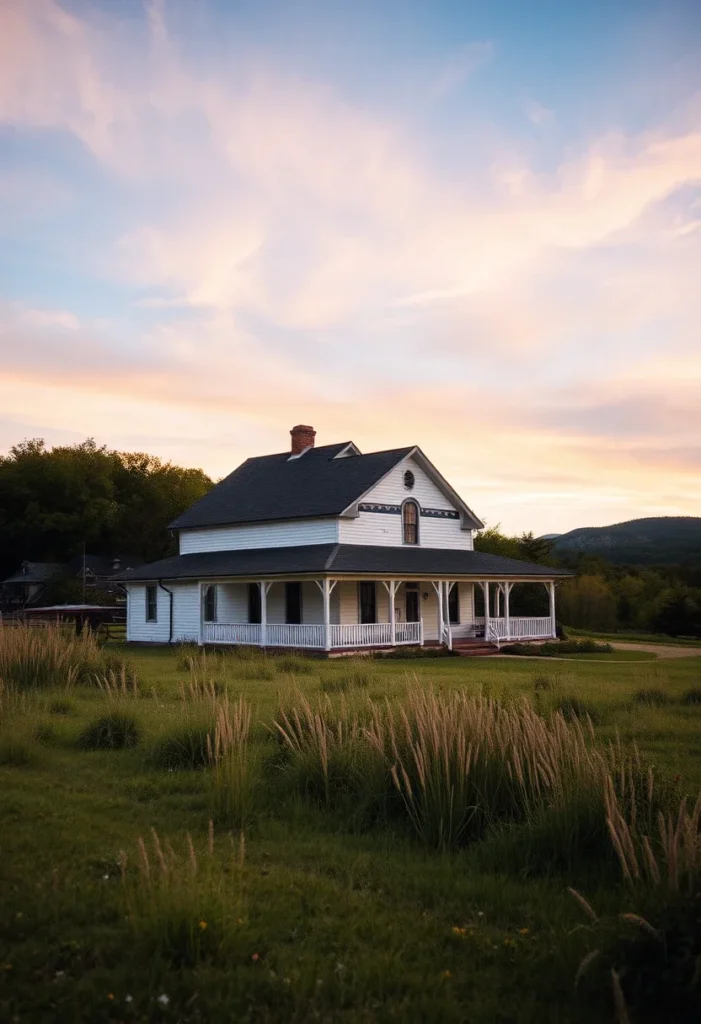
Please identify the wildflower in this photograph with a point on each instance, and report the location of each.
(446, 974)
(105, 878)
(128, 998)
(110, 995)
(459, 933)
(255, 958)
(202, 925)
(59, 974)
(163, 999)
(523, 931)
(480, 913)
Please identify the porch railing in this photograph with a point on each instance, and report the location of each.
(313, 635)
(231, 633)
(520, 628)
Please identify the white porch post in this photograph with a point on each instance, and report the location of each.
(507, 610)
(326, 594)
(201, 636)
(485, 588)
(438, 587)
(391, 593)
(553, 626)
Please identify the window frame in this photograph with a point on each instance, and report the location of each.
(405, 504)
(209, 615)
(151, 602)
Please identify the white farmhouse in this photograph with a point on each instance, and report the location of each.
(327, 549)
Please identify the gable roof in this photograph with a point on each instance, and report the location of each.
(325, 481)
(35, 572)
(338, 559)
(274, 487)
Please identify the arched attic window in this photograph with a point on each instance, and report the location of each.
(410, 522)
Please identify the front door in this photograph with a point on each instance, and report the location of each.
(412, 603)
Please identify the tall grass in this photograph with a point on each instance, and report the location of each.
(33, 658)
(230, 762)
(184, 906)
(321, 745)
(662, 851)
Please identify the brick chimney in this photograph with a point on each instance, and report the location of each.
(302, 438)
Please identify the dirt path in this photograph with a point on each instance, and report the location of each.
(661, 650)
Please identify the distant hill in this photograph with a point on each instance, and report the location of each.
(667, 540)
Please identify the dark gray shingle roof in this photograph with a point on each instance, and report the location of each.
(277, 487)
(341, 559)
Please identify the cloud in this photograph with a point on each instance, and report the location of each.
(460, 66)
(281, 253)
(539, 114)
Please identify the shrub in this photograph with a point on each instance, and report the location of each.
(692, 696)
(113, 731)
(555, 649)
(184, 749)
(409, 653)
(572, 707)
(228, 755)
(651, 697)
(184, 907)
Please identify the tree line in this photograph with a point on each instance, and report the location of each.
(55, 500)
(607, 597)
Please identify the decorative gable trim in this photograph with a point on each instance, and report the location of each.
(396, 510)
(468, 519)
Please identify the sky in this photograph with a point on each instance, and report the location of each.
(471, 226)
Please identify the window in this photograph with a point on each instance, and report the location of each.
(151, 603)
(254, 608)
(454, 605)
(210, 603)
(368, 601)
(411, 591)
(408, 479)
(410, 522)
(293, 603)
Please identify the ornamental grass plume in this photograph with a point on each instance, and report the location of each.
(230, 762)
(662, 851)
(184, 905)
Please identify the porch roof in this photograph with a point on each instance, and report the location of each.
(338, 560)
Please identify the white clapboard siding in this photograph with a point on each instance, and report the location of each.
(186, 611)
(289, 533)
(138, 629)
(385, 529)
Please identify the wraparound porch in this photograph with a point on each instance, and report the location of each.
(334, 613)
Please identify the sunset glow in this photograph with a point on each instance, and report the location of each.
(475, 227)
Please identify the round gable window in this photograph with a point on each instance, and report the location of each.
(408, 479)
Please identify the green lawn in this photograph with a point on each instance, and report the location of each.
(326, 916)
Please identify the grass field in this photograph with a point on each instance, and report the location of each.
(318, 909)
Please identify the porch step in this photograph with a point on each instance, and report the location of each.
(474, 648)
